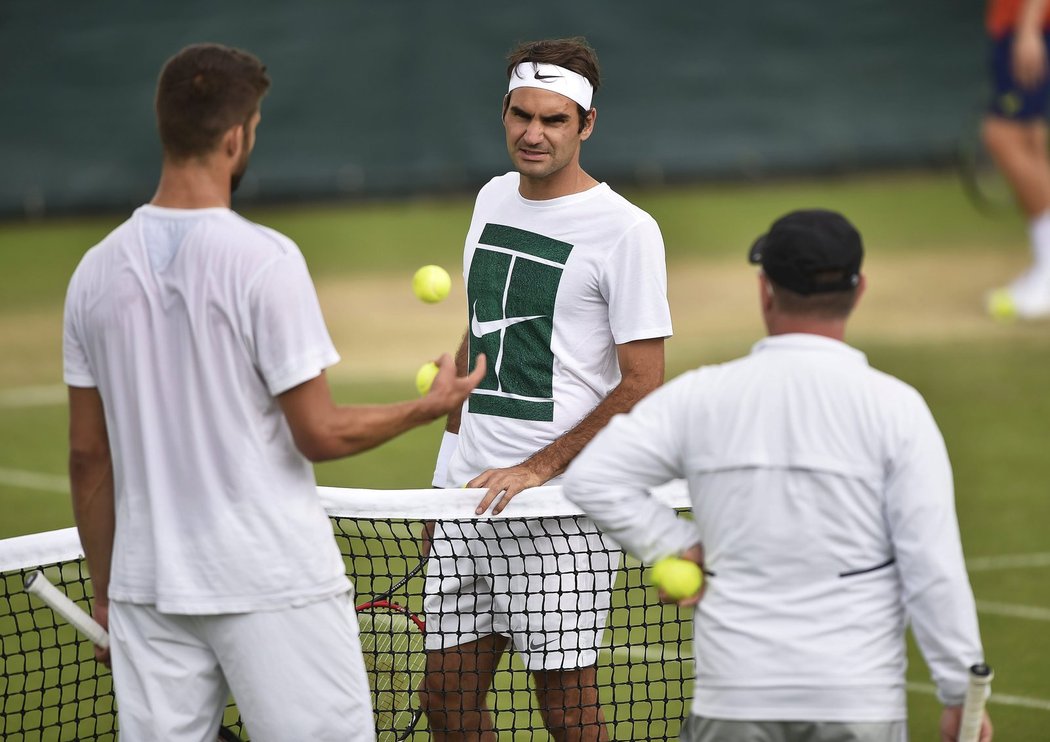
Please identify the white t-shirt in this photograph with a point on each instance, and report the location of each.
(552, 288)
(189, 323)
(822, 493)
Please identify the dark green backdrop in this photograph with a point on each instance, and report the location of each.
(403, 97)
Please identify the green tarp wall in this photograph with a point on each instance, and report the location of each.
(394, 98)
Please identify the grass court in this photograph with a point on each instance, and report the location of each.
(930, 258)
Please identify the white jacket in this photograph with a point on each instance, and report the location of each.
(822, 493)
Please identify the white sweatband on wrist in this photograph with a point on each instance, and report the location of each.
(554, 78)
(445, 451)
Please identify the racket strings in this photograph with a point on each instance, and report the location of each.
(392, 647)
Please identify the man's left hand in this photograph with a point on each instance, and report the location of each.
(503, 485)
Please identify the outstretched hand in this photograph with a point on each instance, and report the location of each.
(448, 391)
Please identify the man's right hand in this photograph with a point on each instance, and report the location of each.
(448, 391)
(323, 430)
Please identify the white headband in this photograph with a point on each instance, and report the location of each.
(554, 78)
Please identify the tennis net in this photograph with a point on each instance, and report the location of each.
(538, 571)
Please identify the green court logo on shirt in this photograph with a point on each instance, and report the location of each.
(510, 298)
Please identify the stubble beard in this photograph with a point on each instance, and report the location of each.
(238, 174)
(538, 170)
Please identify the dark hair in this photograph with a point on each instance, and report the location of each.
(823, 305)
(203, 91)
(573, 53)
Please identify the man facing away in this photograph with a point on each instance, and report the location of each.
(195, 354)
(1015, 133)
(566, 291)
(824, 515)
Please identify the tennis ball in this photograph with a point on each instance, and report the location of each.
(425, 377)
(679, 578)
(1001, 305)
(1010, 103)
(431, 283)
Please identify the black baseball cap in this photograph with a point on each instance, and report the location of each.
(810, 251)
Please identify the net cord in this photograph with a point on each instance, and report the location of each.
(63, 545)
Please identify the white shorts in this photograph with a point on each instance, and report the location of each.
(546, 584)
(295, 673)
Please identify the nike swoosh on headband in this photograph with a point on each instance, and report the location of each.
(480, 329)
(554, 78)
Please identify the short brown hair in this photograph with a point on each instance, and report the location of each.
(824, 305)
(203, 91)
(573, 53)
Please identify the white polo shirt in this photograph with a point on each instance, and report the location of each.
(823, 496)
(189, 323)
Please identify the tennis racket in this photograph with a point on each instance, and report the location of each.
(37, 584)
(977, 692)
(984, 185)
(392, 646)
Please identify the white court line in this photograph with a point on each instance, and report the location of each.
(1007, 561)
(1001, 699)
(33, 396)
(1013, 611)
(33, 481)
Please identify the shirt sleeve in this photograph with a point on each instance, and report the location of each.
(76, 368)
(611, 478)
(635, 285)
(290, 339)
(920, 507)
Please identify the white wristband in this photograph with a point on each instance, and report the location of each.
(448, 447)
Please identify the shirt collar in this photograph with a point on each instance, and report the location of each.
(807, 341)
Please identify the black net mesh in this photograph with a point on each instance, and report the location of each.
(562, 594)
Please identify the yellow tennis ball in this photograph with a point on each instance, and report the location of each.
(431, 283)
(1001, 305)
(679, 578)
(425, 377)
(1010, 103)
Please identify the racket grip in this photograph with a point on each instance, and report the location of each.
(40, 586)
(977, 692)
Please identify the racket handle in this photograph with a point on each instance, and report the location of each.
(977, 692)
(40, 586)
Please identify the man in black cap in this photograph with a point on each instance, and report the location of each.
(824, 515)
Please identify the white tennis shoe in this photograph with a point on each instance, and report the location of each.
(1028, 297)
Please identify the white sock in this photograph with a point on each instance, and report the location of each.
(1039, 235)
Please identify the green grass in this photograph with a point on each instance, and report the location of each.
(993, 408)
(894, 213)
(988, 392)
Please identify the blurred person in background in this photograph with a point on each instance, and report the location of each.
(824, 515)
(195, 354)
(567, 288)
(1015, 133)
